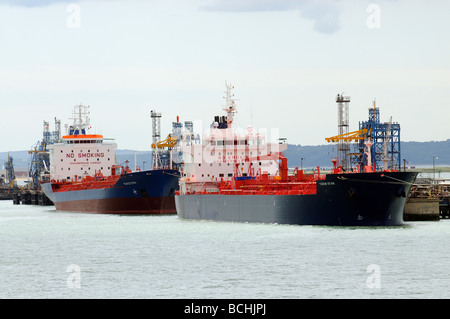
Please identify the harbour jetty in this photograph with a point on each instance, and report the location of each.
(429, 199)
(31, 197)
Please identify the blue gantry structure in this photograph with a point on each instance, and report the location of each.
(375, 139)
(385, 152)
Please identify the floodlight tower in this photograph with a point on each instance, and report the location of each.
(343, 147)
(156, 135)
(156, 126)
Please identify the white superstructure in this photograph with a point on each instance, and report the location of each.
(225, 152)
(81, 154)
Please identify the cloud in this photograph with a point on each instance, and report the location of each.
(34, 3)
(324, 13)
(251, 5)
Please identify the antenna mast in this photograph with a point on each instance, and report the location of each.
(81, 120)
(230, 104)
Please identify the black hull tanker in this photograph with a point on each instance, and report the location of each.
(240, 176)
(353, 199)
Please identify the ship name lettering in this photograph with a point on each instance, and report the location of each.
(326, 183)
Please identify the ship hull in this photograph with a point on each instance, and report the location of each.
(356, 199)
(147, 192)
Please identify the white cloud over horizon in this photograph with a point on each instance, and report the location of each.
(324, 13)
(34, 3)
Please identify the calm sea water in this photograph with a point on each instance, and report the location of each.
(50, 254)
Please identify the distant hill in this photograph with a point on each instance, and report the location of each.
(416, 153)
(421, 153)
(143, 158)
(21, 159)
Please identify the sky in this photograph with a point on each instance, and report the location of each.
(287, 59)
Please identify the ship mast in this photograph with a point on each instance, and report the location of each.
(81, 120)
(230, 104)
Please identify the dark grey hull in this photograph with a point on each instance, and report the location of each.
(360, 199)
